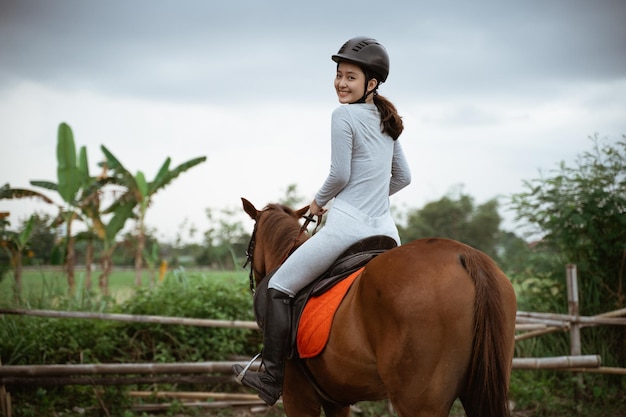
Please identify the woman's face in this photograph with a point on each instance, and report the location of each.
(350, 83)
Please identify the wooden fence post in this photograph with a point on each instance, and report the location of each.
(572, 307)
(573, 310)
(5, 400)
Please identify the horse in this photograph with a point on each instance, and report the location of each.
(423, 324)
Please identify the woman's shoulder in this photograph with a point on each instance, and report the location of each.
(341, 110)
(354, 110)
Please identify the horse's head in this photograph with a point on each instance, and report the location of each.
(276, 233)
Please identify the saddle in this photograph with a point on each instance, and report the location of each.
(351, 260)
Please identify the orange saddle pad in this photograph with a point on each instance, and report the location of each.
(317, 317)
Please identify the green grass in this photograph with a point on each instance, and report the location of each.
(39, 283)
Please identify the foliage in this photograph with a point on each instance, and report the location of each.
(181, 295)
(16, 244)
(224, 240)
(6, 192)
(539, 281)
(581, 212)
(292, 197)
(557, 393)
(455, 216)
(9, 240)
(189, 296)
(36, 340)
(79, 191)
(42, 239)
(139, 193)
(125, 251)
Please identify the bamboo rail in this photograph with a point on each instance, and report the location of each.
(87, 370)
(52, 381)
(525, 320)
(524, 323)
(218, 400)
(119, 369)
(557, 362)
(562, 320)
(536, 333)
(186, 395)
(599, 370)
(215, 404)
(537, 324)
(133, 318)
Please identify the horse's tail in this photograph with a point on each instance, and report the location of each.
(486, 394)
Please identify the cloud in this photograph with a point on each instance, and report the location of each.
(195, 48)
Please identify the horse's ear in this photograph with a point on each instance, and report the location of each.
(302, 211)
(249, 208)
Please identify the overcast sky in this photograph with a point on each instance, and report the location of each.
(492, 93)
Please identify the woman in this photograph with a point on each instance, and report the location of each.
(367, 166)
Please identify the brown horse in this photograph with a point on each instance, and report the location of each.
(425, 323)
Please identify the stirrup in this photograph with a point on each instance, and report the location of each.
(242, 374)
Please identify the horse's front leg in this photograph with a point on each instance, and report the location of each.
(299, 397)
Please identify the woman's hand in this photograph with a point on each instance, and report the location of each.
(315, 209)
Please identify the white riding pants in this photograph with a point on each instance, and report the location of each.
(344, 226)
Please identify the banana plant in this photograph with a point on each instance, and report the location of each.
(9, 193)
(79, 191)
(139, 195)
(15, 244)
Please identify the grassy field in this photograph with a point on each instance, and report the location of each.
(38, 284)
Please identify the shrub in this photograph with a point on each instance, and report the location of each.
(35, 340)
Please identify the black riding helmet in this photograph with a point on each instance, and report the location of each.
(370, 55)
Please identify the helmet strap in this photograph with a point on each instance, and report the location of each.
(374, 91)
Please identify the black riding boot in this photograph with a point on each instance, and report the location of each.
(276, 339)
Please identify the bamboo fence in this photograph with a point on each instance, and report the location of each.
(532, 324)
(528, 324)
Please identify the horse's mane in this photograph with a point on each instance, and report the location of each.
(281, 227)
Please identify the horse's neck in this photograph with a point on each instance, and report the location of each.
(276, 252)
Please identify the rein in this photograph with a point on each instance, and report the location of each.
(296, 242)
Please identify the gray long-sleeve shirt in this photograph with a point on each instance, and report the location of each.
(367, 166)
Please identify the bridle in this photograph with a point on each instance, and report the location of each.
(296, 242)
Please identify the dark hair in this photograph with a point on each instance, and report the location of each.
(390, 120)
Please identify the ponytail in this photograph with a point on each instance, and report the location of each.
(390, 120)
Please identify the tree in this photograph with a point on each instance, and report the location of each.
(75, 186)
(15, 244)
(42, 239)
(224, 239)
(292, 197)
(580, 212)
(455, 217)
(139, 193)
